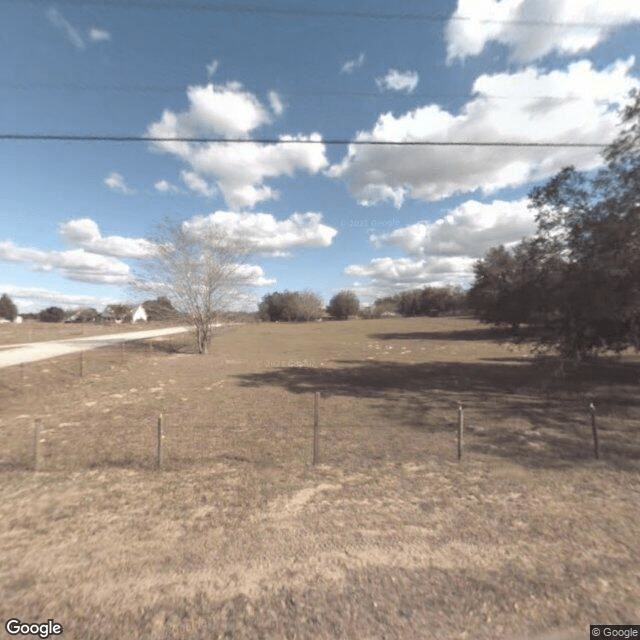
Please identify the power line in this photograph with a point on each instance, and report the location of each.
(311, 12)
(397, 143)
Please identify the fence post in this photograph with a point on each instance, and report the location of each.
(37, 445)
(122, 352)
(316, 398)
(160, 438)
(592, 411)
(81, 364)
(460, 430)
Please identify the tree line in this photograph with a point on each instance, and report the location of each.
(576, 283)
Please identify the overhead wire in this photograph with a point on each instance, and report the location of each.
(310, 12)
(289, 140)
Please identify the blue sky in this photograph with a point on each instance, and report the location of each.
(319, 216)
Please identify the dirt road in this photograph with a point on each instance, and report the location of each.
(33, 351)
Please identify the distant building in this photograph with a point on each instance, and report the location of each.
(18, 320)
(139, 315)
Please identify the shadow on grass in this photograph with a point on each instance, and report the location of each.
(497, 334)
(514, 408)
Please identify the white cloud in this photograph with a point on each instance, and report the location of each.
(276, 103)
(251, 275)
(99, 35)
(224, 110)
(197, 184)
(580, 106)
(478, 22)
(443, 252)
(386, 276)
(398, 81)
(59, 21)
(350, 65)
(166, 187)
(76, 264)
(239, 169)
(212, 67)
(31, 299)
(115, 181)
(85, 233)
(468, 231)
(263, 233)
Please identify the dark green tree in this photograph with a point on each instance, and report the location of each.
(8, 310)
(51, 314)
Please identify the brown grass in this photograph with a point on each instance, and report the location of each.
(239, 537)
(34, 331)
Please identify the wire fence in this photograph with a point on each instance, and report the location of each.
(102, 421)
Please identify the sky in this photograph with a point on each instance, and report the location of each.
(296, 89)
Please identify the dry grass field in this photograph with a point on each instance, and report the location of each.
(33, 331)
(390, 536)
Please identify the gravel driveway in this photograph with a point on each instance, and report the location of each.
(33, 351)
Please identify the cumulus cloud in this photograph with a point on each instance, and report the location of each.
(30, 299)
(251, 275)
(396, 80)
(85, 233)
(163, 186)
(59, 21)
(225, 109)
(115, 181)
(468, 231)
(265, 234)
(573, 105)
(350, 65)
(444, 251)
(197, 184)
(386, 276)
(239, 169)
(99, 35)
(524, 26)
(76, 264)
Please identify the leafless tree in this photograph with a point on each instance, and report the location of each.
(201, 272)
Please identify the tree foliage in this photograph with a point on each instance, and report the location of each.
(290, 306)
(428, 301)
(51, 314)
(578, 280)
(343, 305)
(8, 310)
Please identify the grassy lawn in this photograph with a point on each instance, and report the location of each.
(390, 536)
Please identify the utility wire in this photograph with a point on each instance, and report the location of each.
(309, 12)
(398, 143)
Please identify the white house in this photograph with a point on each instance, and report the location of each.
(139, 315)
(18, 320)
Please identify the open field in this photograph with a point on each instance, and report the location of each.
(34, 331)
(389, 537)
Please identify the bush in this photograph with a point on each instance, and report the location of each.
(51, 314)
(290, 306)
(343, 305)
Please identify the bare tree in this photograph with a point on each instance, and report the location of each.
(201, 272)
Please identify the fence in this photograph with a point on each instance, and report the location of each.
(172, 440)
(284, 420)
